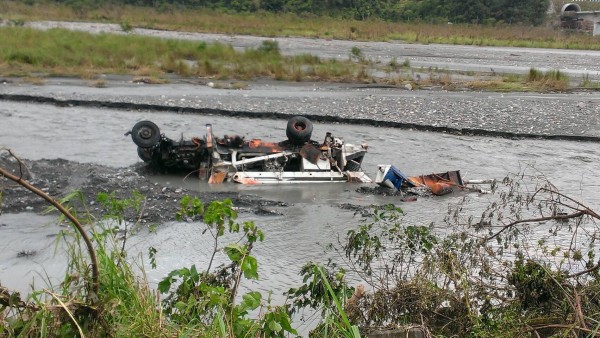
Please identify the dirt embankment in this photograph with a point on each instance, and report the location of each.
(59, 177)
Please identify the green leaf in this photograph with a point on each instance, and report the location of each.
(235, 252)
(165, 284)
(251, 300)
(221, 323)
(274, 326)
(250, 267)
(181, 306)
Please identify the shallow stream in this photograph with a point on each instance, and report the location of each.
(313, 217)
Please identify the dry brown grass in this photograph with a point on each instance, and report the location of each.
(34, 80)
(149, 80)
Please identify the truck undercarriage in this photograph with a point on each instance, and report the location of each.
(299, 159)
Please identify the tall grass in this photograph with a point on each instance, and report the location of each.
(24, 51)
(34, 54)
(346, 329)
(552, 79)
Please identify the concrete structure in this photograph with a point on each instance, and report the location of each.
(571, 16)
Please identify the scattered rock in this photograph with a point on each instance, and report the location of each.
(379, 190)
(26, 253)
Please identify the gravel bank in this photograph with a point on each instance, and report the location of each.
(573, 116)
(561, 116)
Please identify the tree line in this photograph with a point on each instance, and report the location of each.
(527, 12)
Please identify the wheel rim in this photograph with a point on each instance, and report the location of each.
(299, 126)
(145, 133)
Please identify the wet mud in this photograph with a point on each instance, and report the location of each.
(59, 178)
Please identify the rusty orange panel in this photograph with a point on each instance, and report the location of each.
(259, 144)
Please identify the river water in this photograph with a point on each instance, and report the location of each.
(313, 217)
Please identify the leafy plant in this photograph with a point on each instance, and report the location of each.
(481, 275)
(208, 297)
(328, 292)
(356, 54)
(269, 47)
(126, 26)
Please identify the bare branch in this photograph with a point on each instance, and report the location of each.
(592, 333)
(592, 269)
(75, 221)
(539, 219)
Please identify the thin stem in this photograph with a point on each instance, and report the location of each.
(75, 221)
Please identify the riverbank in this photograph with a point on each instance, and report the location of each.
(281, 24)
(574, 116)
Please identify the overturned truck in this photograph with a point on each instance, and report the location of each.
(298, 159)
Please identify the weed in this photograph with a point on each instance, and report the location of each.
(526, 262)
(534, 75)
(34, 80)
(201, 304)
(148, 80)
(126, 27)
(100, 83)
(394, 64)
(230, 85)
(289, 24)
(356, 54)
(585, 81)
(466, 281)
(59, 52)
(208, 297)
(17, 22)
(552, 79)
(269, 47)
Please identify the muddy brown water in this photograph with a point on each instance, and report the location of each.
(313, 217)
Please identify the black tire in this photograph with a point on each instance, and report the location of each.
(299, 130)
(145, 134)
(145, 154)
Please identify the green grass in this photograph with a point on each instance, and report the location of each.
(552, 79)
(284, 24)
(34, 55)
(37, 54)
(25, 51)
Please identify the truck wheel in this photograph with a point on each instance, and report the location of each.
(145, 154)
(145, 134)
(299, 130)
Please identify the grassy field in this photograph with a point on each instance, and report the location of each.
(57, 52)
(34, 55)
(267, 24)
